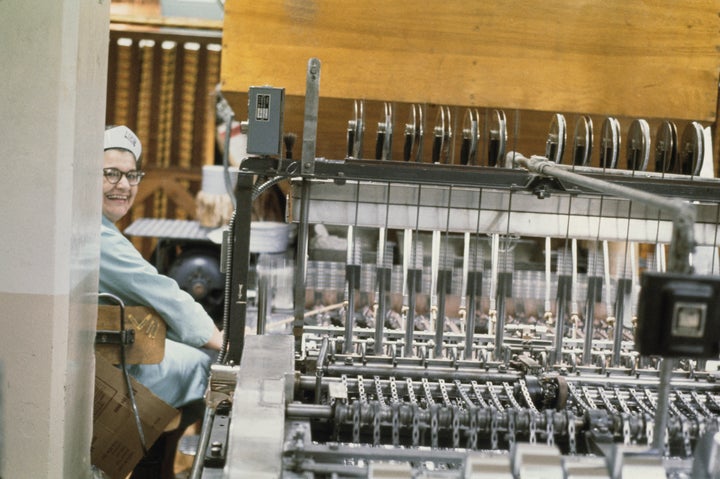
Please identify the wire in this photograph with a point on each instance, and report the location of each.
(256, 192)
(123, 367)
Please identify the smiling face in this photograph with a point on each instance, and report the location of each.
(118, 198)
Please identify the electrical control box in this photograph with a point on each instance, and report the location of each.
(679, 315)
(265, 120)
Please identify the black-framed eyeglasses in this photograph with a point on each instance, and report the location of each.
(113, 175)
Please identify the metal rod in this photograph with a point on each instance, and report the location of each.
(548, 277)
(301, 261)
(683, 213)
(312, 101)
(263, 304)
(198, 461)
(663, 403)
(322, 355)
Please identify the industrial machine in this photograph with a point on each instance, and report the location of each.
(498, 318)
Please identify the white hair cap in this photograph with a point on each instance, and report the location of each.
(123, 137)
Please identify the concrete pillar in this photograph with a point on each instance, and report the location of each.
(53, 69)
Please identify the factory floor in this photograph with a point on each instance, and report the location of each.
(183, 462)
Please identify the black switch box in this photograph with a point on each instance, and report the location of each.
(678, 316)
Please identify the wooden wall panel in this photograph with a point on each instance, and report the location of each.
(654, 58)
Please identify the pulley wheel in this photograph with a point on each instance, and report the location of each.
(666, 151)
(610, 143)
(497, 138)
(555, 144)
(583, 144)
(692, 149)
(638, 145)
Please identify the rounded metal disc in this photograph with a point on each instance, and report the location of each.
(442, 136)
(412, 149)
(497, 138)
(692, 149)
(555, 144)
(638, 145)
(583, 144)
(470, 137)
(610, 143)
(666, 147)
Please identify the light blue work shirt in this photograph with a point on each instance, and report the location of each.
(181, 377)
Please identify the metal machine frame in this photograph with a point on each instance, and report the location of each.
(372, 402)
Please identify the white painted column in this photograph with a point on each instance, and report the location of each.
(53, 70)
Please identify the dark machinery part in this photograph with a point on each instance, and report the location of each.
(679, 316)
(197, 271)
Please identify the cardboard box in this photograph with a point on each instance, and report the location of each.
(116, 447)
(150, 331)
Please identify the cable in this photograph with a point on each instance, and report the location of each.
(123, 367)
(257, 191)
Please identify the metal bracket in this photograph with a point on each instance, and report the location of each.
(104, 336)
(543, 186)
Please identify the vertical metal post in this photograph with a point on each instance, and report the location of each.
(681, 245)
(312, 100)
(239, 268)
